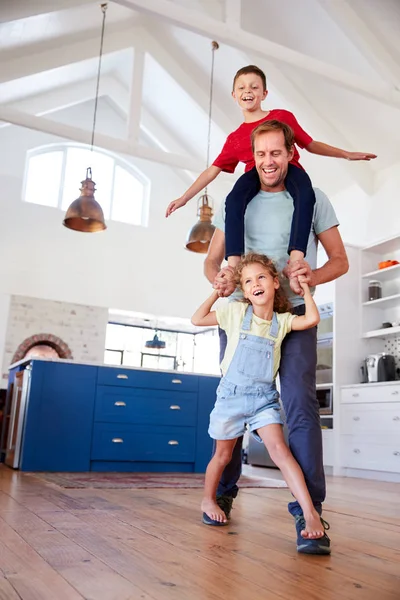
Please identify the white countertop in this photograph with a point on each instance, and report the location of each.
(371, 385)
(98, 364)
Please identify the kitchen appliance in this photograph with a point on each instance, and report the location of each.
(325, 399)
(325, 345)
(380, 367)
(17, 417)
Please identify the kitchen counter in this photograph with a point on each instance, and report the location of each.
(371, 385)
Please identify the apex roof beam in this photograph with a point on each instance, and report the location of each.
(233, 12)
(238, 38)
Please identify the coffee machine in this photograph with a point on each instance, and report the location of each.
(378, 367)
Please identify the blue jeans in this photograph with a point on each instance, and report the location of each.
(297, 374)
(299, 186)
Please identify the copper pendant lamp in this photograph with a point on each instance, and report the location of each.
(85, 214)
(199, 237)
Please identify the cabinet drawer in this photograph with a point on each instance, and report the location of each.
(371, 418)
(145, 407)
(144, 443)
(379, 393)
(147, 379)
(378, 453)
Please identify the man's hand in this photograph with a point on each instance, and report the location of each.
(299, 268)
(224, 282)
(360, 156)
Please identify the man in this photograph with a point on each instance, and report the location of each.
(267, 229)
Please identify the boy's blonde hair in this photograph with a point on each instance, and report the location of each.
(281, 303)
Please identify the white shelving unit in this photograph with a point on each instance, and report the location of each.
(358, 332)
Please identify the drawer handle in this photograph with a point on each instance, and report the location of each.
(356, 418)
(355, 395)
(396, 453)
(173, 443)
(396, 418)
(122, 376)
(175, 407)
(119, 403)
(356, 451)
(177, 381)
(396, 393)
(117, 441)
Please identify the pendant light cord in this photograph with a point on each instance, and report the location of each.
(103, 9)
(214, 47)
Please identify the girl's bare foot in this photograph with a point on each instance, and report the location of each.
(211, 508)
(314, 528)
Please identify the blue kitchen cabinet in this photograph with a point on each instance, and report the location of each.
(99, 418)
(59, 417)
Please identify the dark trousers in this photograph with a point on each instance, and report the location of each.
(299, 186)
(297, 373)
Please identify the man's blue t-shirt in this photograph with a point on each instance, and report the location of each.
(268, 221)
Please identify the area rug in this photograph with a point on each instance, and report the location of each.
(144, 480)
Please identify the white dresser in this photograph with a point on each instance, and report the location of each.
(370, 430)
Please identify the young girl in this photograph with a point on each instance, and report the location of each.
(247, 392)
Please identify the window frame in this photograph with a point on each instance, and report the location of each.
(117, 162)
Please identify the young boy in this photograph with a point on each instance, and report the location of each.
(249, 90)
(247, 392)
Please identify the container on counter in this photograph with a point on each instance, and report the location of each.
(374, 290)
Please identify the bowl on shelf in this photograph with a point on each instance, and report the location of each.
(387, 263)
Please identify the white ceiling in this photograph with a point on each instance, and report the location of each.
(49, 59)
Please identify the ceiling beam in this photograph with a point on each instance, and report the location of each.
(360, 172)
(233, 12)
(63, 51)
(368, 42)
(136, 94)
(117, 145)
(238, 38)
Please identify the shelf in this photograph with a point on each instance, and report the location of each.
(388, 301)
(387, 246)
(388, 331)
(384, 273)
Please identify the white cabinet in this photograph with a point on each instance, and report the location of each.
(370, 427)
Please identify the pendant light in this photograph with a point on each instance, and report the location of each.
(199, 237)
(155, 343)
(85, 213)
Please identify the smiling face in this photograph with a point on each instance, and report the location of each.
(272, 159)
(249, 92)
(258, 284)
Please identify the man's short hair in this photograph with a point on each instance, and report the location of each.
(274, 125)
(251, 69)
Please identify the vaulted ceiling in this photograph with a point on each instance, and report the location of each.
(334, 63)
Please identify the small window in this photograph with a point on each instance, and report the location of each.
(121, 190)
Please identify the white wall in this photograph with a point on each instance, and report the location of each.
(127, 267)
(82, 328)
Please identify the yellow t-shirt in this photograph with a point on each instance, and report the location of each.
(230, 317)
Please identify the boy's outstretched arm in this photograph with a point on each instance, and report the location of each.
(201, 182)
(326, 150)
(311, 318)
(203, 315)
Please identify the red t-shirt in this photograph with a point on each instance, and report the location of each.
(237, 147)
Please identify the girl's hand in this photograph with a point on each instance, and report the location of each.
(174, 205)
(303, 284)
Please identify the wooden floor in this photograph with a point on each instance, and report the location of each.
(61, 544)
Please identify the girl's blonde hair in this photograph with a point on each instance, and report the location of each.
(281, 303)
